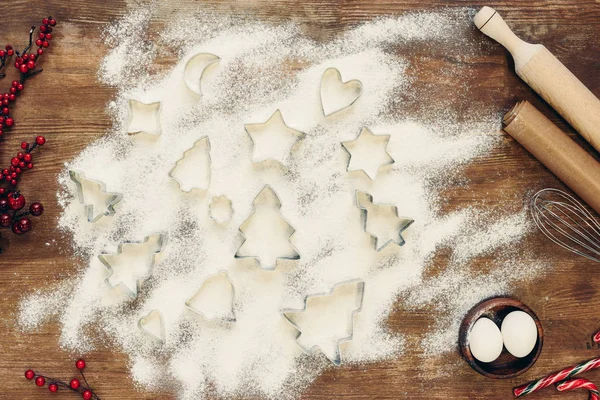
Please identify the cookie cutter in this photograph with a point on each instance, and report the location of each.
(362, 201)
(202, 142)
(198, 62)
(80, 180)
(275, 122)
(220, 209)
(331, 80)
(288, 313)
(371, 173)
(147, 324)
(223, 277)
(267, 195)
(108, 260)
(137, 110)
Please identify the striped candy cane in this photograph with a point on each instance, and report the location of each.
(597, 337)
(556, 378)
(579, 383)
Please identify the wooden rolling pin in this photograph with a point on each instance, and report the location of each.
(547, 76)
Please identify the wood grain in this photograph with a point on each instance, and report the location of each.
(66, 103)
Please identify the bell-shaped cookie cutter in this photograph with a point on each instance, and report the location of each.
(333, 77)
(191, 76)
(361, 199)
(80, 179)
(136, 108)
(204, 141)
(161, 241)
(153, 325)
(214, 209)
(287, 312)
(210, 280)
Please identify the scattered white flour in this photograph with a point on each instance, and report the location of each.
(263, 68)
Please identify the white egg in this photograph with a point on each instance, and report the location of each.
(519, 333)
(485, 340)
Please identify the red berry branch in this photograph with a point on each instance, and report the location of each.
(11, 201)
(75, 385)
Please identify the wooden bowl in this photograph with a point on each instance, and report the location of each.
(506, 366)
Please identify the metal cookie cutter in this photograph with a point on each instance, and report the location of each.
(289, 314)
(195, 68)
(337, 95)
(144, 118)
(207, 294)
(364, 202)
(198, 153)
(153, 325)
(98, 189)
(365, 136)
(266, 200)
(155, 243)
(220, 209)
(273, 136)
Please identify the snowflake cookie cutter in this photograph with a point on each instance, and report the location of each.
(366, 134)
(269, 197)
(153, 325)
(363, 200)
(81, 180)
(288, 313)
(221, 209)
(331, 81)
(201, 145)
(144, 118)
(220, 282)
(156, 242)
(195, 69)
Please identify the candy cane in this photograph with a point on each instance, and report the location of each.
(555, 378)
(580, 384)
(597, 337)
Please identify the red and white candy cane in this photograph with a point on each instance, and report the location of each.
(597, 337)
(579, 383)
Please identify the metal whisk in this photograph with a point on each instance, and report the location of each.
(566, 222)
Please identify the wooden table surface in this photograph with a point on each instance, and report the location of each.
(66, 104)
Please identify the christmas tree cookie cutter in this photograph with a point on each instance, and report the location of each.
(288, 315)
(337, 95)
(98, 190)
(195, 69)
(362, 139)
(144, 118)
(221, 209)
(201, 146)
(111, 261)
(153, 325)
(217, 283)
(266, 199)
(364, 202)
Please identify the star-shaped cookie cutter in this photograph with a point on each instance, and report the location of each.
(159, 336)
(136, 107)
(161, 241)
(208, 281)
(80, 178)
(361, 198)
(172, 172)
(337, 360)
(366, 133)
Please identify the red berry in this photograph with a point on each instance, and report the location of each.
(80, 364)
(2, 53)
(13, 182)
(5, 221)
(13, 90)
(24, 145)
(45, 21)
(30, 165)
(87, 394)
(40, 52)
(40, 381)
(30, 64)
(40, 140)
(10, 52)
(29, 374)
(14, 162)
(48, 36)
(22, 164)
(24, 224)
(14, 175)
(52, 22)
(74, 383)
(43, 28)
(8, 47)
(3, 204)
(20, 87)
(45, 43)
(12, 97)
(5, 171)
(20, 155)
(2, 191)
(53, 387)
(27, 157)
(38, 42)
(16, 201)
(9, 121)
(5, 111)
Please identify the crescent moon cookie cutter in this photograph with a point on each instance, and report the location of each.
(144, 118)
(199, 153)
(153, 325)
(289, 313)
(211, 287)
(337, 95)
(96, 189)
(122, 275)
(364, 201)
(195, 68)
